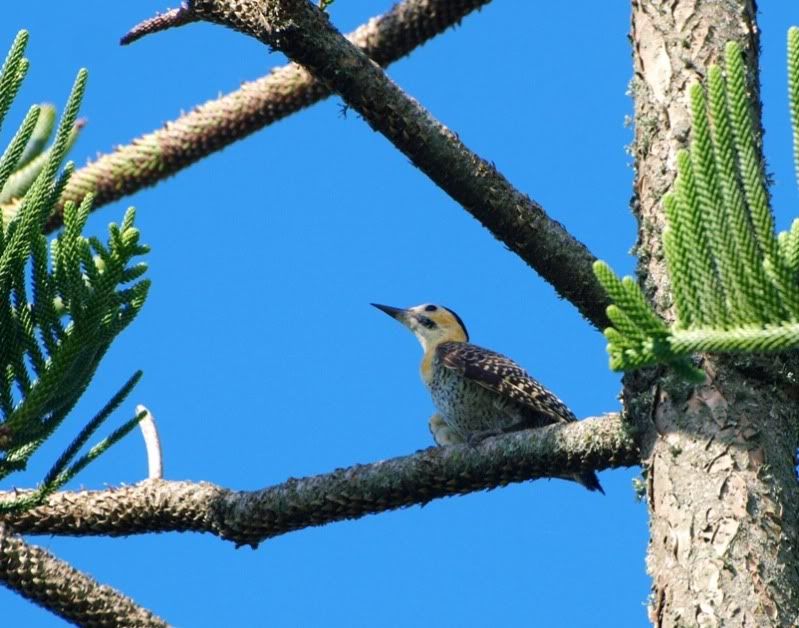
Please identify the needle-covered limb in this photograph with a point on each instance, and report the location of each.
(218, 123)
(304, 33)
(58, 587)
(249, 517)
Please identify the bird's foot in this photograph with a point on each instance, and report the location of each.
(475, 438)
(442, 433)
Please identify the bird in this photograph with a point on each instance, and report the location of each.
(477, 392)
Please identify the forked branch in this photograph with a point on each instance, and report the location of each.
(219, 123)
(304, 33)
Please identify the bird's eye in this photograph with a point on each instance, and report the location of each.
(430, 308)
(427, 322)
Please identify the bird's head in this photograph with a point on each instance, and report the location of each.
(432, 324)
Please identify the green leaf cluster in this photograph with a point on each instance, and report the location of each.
(735, 282)
(62, 304)
(33, 159)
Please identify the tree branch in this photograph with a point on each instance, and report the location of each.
(219, 123)
(160, 22)
(249, 517)
(303, 32)
(60, 588)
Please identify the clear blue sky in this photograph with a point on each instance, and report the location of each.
(263, 359)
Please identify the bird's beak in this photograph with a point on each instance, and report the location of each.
(394, 312)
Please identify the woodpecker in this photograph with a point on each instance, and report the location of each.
(478, 393)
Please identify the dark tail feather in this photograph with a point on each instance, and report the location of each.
(590, 481)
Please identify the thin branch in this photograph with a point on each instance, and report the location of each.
(219, 123)
(304, 33)
(58, 587)
(149, 431)
(249, 517)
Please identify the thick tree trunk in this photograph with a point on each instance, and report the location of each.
(719, 458)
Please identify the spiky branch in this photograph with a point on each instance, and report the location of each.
(356, 491)
(216, 124)
(249, 517)
(63, 590)
(304, 33)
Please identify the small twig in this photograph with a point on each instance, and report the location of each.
(155, 461)
(58, 587)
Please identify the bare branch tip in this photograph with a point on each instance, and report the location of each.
(152, 442)
(160, 22)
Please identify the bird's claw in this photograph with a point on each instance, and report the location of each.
(475, 438)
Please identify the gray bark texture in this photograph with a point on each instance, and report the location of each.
(719, 458)
(250, 517)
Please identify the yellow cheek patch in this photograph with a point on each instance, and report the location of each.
(455, 334)
(451, 328)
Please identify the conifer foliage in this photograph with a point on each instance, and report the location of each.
(735, 282)
(62, 304)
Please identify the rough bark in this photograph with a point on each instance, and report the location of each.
(216, 124)
(304, 33)
(249, 517)
(719, 458)
(63, 590)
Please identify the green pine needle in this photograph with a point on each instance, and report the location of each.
(24, 176)
(41, 135)
(61, 306)
(90, 428)
(734, 281)
(9, 163)
(100, 448)
(12, 73)
(793, 91)
(59, 476)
